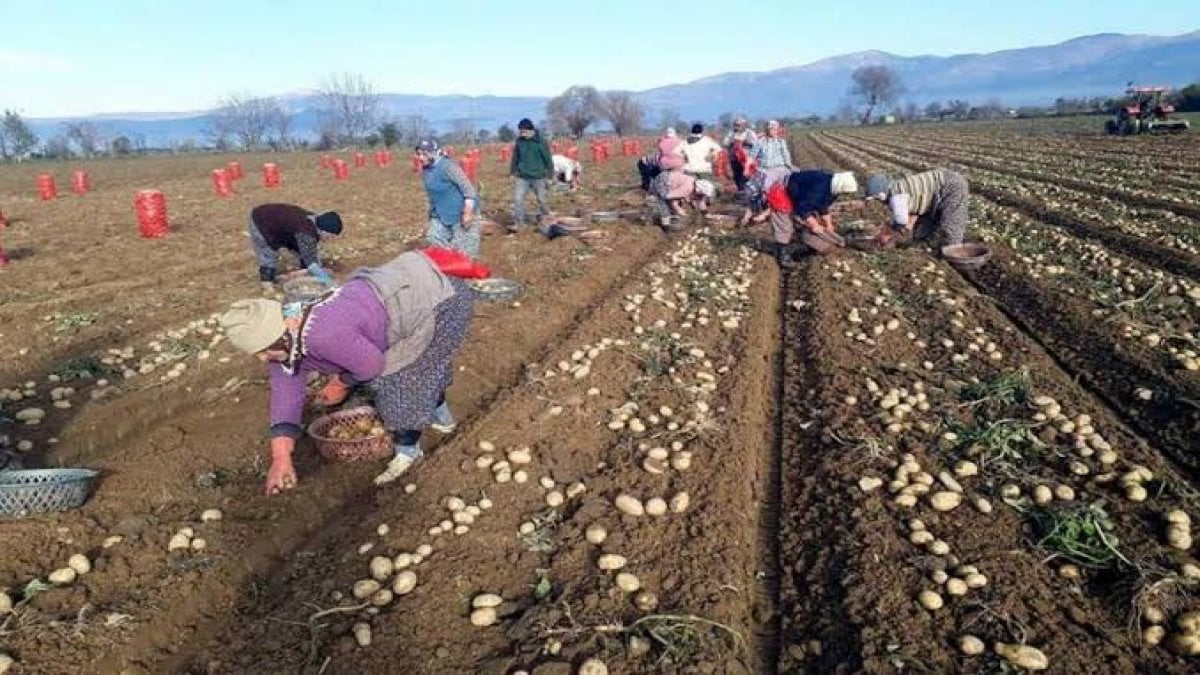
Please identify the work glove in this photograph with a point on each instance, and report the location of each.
(282, 475)
(334, 392)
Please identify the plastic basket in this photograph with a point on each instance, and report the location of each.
(25, 493)
(370, 449)
(496, 289)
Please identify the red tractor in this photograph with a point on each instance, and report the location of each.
(1146, 113)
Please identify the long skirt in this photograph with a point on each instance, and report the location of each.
(406, 398)
(950, 213)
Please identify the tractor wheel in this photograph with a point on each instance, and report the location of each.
(1110, 128)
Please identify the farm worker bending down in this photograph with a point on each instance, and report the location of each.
(671, 189)
(805, 197)
(670, 151)
(771, 152)
(567, 171)
(395, 326)
(699, 151)
(755, 195)
(740, 143)
(276, 226)
(648, 169)
(531, 165)
(453, 201)
(937, 198)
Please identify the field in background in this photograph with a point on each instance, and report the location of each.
(851, 436)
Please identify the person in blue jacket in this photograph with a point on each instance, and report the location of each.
(453, 201)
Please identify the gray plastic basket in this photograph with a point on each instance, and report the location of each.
(495, 289)
(24, 493)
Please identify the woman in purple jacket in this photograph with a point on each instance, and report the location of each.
(396, 327)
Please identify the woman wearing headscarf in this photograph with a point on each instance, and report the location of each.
(938, 199)
(396, 327)
(772, 151)
(453, 201)
(805, 198)
(740, 142)
(755, 195)
(670, 154)
(671, 190)
(699, 153)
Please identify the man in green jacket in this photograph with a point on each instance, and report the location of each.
(531, 165)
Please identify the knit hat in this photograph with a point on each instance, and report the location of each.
(706, 188)
(253, 325)
(697, 128)
(329, 222)
(428, 145)
(844, 182)
(525, 124)
(877, 184)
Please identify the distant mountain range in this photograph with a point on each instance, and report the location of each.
(1096, 65)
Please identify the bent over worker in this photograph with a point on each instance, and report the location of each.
(287, 226)
(397, 327)
(937, 199)
(805, 198)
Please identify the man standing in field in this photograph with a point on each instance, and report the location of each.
(453, 201)
(531, 166)
(286, 226)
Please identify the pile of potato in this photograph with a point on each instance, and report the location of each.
(366, 427)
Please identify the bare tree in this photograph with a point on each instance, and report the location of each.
(934, 110)
(622, 111)
(413, 128)
(670, 117)
(349, 104)
(86, 137)
(875, 86)
(247, 119)
(575, 109)
(462, 129)
(57, 147)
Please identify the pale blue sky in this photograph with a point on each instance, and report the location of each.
(89, 56)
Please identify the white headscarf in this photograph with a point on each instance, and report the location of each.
(844, 183)
(671, 133)
(706, 188)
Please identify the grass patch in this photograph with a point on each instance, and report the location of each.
(1079, 533)
(85, 367)
(73, 322)
(999, 393)
(1003, 445)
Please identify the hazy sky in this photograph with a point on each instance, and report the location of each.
(79, 57)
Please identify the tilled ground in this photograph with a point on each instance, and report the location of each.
(850, 468)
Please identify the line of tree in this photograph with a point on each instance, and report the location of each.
(580, 106)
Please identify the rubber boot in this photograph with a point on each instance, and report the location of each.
(443, 420)
(783, 256)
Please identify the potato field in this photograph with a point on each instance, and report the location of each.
(672, 456)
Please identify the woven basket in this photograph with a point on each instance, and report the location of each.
(496, 289)
(370, 449)
(304, 290)
(24, 493)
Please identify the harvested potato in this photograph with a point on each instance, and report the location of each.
(1022, 656)
(6, 663)
(179, 541)
(6, 603)
(930, 600)
(593, 667)
(381, 568)
(486, 600)
(1189, 622)
(945, 501)
(1153, 635)
(628, 582)
(199, 544)
(596, 534)
(611, 561)
(630, 505)
(971, 645)
(362, 634)
(680, 502)
(211, 515)
(405, 582)
(656, 506)
(484, 616)
(365, 588)
(382, 598)
(64, 576)
(79, 563)
(646, 601)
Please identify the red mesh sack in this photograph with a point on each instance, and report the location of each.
(456, 264)
(151, 209)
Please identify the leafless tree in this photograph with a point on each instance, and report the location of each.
(86, 136)
(875, 86)
(622, 111)
(350, 104)
(247, 119)
(412, 129)
(16, 138)
(934, 110)
(57, 147)
(575, 109)
(670, 117)
(462, 129)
